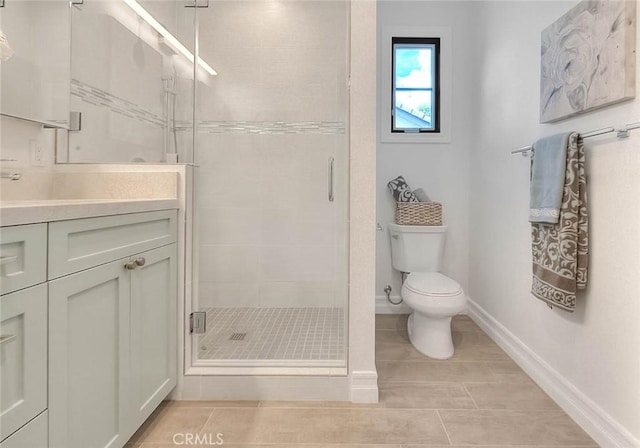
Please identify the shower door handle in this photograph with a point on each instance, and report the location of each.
(330, 179)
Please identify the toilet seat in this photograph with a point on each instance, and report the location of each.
(432, 284)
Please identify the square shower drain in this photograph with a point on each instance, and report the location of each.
(237, 337)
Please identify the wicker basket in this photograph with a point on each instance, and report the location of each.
(419, 213)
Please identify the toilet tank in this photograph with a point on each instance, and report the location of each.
(417, 248)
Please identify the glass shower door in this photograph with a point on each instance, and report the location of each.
(271, 185)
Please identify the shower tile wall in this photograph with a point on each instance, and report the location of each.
(270, 120)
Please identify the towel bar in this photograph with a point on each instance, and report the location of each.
(622, 132)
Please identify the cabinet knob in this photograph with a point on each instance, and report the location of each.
(130, 265)
(140, 261)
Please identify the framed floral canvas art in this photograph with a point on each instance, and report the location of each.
(588, 59)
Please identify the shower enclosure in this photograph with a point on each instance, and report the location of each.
(253, 95)
(271, 188)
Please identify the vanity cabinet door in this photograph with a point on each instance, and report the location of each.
(153, 329)
(23, 357)
(89, 324)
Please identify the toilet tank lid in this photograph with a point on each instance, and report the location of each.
(432, 284)
(415, 229)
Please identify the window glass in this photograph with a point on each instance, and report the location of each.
(415, 90)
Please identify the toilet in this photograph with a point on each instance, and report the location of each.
(433, 297)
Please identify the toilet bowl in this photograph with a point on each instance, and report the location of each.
(434, 299)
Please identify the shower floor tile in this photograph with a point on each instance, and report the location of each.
(288, 334)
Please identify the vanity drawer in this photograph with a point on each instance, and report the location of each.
(23, 256)
(23, 357)
(33, 435)
(80, 244)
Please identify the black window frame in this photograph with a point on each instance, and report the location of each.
(426, 41)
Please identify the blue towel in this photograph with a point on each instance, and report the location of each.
(547, 178)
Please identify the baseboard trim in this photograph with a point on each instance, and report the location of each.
(364, 386)
(384, 307)
(594, 420)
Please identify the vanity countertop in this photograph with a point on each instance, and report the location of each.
(31, 211)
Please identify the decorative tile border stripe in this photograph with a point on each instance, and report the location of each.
(271, 127)
(101, 98)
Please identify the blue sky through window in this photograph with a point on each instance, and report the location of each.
(413, 85)
(413, 67)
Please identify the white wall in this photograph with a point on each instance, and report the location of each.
(362, 206)
(440, 169)
(595, 350)
(16, 138)
(16, 135)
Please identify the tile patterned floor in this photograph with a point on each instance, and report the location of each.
(478, 398)
(289, 334)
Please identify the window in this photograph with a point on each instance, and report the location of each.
(415, 85)
(416, 62)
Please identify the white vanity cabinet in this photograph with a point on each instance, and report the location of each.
(87, 328)
(112, 327)
(89, 357)
(23, 332)
(23, 357)
(153, 331)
